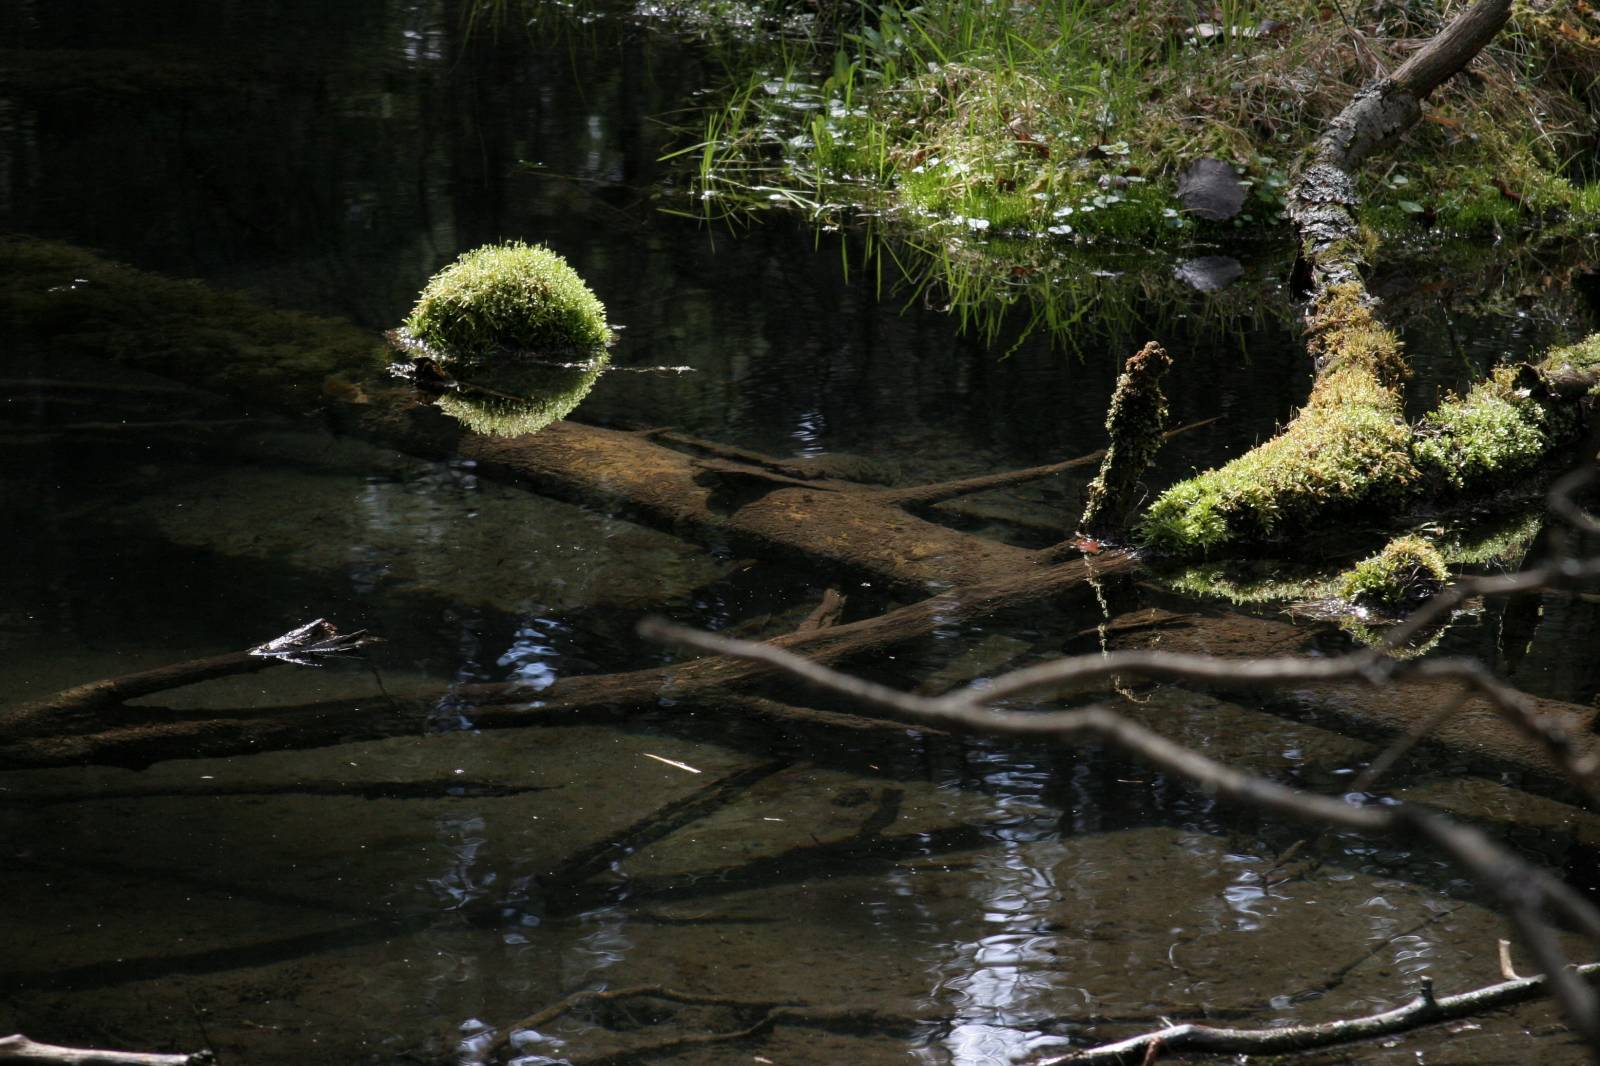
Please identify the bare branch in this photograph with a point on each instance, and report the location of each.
(1425, 1009)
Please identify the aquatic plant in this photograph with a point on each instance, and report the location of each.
(514, 297)
(1073, 119)
(1407, 571)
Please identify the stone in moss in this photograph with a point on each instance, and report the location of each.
(1405, 573)
(1348, 447)
(507, 298)
(1579, 357)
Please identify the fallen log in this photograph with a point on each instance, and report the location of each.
(144, 735)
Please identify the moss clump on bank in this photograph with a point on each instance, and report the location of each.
(516, 297)
(56, 298)
(1347, 447)
(1406, 572)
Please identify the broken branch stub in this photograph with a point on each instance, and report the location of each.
(1135, 421)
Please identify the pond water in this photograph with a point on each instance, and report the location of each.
(410, 900)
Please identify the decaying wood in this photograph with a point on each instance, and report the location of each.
(155, 733)
(1135, 423)
(19, 1049)
(825, 614)
(1530, 895)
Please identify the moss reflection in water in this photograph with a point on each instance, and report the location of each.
(525, 398)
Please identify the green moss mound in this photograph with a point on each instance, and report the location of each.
(58, 299)
(512, 297)
(1405, 573)
(1348, 447)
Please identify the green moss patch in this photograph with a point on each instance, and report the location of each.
(1348, 447)
(58, 298)
(516, 297)
(1406, 572)
(1493, 433)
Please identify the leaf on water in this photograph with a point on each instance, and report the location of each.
(304, 644)
(1210, 189)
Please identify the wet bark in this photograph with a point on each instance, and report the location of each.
(1320, 201)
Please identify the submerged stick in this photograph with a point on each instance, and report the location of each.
(75, 708)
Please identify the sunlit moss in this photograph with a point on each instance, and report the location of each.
(512, 297)
(1492, 433)
(1406, 572)
(75, 302)
(1579, 357)
(1347, 447)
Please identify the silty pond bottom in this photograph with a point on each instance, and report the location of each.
(899, 895)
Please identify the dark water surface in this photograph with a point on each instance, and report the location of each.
(926, 899)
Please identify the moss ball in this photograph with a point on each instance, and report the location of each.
(1405, 573)
(516, 297)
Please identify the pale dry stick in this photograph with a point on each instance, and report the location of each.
(17, 1048)
(1367, 665)
(1508, 971)
(1525, 890)
(1425, 1009)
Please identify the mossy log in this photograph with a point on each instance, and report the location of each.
(1349, 448)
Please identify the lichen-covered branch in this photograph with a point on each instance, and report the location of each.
(1350, 448)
